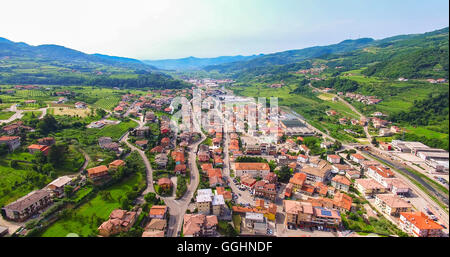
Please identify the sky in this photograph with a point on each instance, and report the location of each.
(166, 29)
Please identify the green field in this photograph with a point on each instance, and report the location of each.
(5, 115)
(107, 103)
(80, 220)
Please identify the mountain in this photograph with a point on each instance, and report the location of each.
(291, 56)
(194, 63)
(11, 50)
(21, 63)
(411, 56)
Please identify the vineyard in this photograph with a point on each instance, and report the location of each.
(107, 103)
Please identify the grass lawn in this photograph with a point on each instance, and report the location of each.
(5, 115)
(80, 221)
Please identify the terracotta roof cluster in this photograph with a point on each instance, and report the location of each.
(195, 224)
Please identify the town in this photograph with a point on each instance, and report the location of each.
(234, 172)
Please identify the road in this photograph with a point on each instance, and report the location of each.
(20, 113)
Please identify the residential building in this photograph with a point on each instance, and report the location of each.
(158, 212)
(358, 158)
(332, 158)
(119, 221)
(195, 225)
(419, 224)
(12, 142)
(25, 207)
(255, 169)
(57, 185)
(98, 173)
(319, 172)
(392, 204)
(369, 187)
(341, 183)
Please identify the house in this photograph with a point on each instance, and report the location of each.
(369, 187)
(142, 131)
(157, 149)
(265, 190)
(271, 177)
(392, 204)
(218, 161)
(38, 148)
(27, 206)
(340, 168)
(326, 145)
(180, 168)
(396, 186)
(80, 105)
(158, 212)
(206, 166)
(57, 185)
(15, 128)
(302, 158)
(248, 181)
(358, 158)
(418, 224)
(297, 181)
(116, 164)
(225, 193)
(319, 172)
(155, 228)
(49, 141)
(342, 202)
(165, 142)
(165, 183)
(119, 221)
(379, 173)
(298, 213)
(98, 172)
(341, 183)
(332, 158)
(218, 205)
(304, 148)
(195, 225)
(254, 168)
(203, 156)
(255, 222)
(161, 160)
(12, 142)
(321, 188)
(141, 143)
(204, 200)
(352, 174)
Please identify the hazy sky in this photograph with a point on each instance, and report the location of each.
(156, 29)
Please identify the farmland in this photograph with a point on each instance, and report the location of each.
(70, 111)
(5, 115)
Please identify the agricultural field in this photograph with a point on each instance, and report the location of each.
(70, 111)
(5, 115)
(80, 220)
(107, 103)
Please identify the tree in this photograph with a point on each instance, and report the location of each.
(57, 154)
(150, 197)
(68, 190)
(14, 164)
(101, 112)
(272, 165)
(47, 124)
(3, 149)
(47, 168)
(284, 174)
